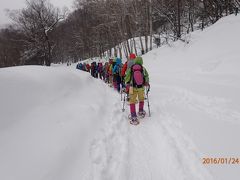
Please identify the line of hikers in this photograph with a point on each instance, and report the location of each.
(130, 77)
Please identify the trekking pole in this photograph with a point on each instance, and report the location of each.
(124, 100)
(121, 88)
(121, 93)
(148, 101)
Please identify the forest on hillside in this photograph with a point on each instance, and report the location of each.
(42, 34)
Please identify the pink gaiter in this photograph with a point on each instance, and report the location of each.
(141, 105)
(133, 110)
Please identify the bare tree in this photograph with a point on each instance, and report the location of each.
(36, 21)
(103, 28)
(10, 47)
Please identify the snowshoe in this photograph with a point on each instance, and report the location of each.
(142, 114)
(134, 120)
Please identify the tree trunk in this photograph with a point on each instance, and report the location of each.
(179, 19)
(115, 51)
(135, 48)
(120, 50)
(142, 48)
(150, 22)
(109, 52)
(48, 60)
(146, 43)
(146, 33)
(128, 47)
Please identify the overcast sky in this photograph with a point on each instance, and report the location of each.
(18, 4)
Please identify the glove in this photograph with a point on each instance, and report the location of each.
(127, 88)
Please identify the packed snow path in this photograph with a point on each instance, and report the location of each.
(155, 149)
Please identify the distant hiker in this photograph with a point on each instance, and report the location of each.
(110, 75)
(137, 77)
(94, 69)
(157, 41)
(88, 67)
(117, 70)
(236, 11)
(105, 73)
(114, 77)
(100, 70)
(79, 66)
(128, 64)
(125, 67)
(84, 67)
(123, 73)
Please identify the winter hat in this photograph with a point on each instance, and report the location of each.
(132, 56)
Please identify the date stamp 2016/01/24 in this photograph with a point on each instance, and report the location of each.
(221, 160)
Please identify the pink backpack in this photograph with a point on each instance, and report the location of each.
(137, 75)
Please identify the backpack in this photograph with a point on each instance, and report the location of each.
(137, 75)
(100, 67)
(118, 69)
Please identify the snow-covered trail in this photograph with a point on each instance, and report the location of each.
(152, 150)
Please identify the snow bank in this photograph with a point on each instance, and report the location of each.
(48, 118)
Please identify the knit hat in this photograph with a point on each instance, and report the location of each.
(132, 56)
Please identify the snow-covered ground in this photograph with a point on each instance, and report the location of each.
(58, 123)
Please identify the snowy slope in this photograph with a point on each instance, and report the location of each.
(48, 118)
(58, 123)
(198, 85)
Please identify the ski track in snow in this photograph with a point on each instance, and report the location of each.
(155, 149)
